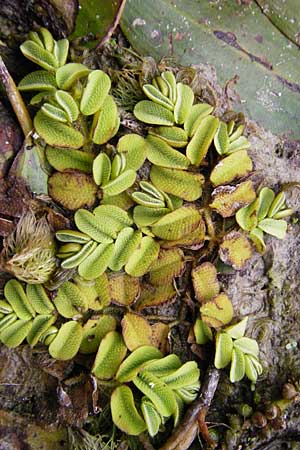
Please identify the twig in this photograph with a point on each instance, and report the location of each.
(195, 412)
(113, 26)
(16, 100)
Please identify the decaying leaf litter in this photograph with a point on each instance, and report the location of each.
(236, 286)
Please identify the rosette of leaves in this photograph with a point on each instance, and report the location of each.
(265, 214)
(69, 93)
(32, 316)
(164, 384)
(183, 124)
(106, 239)
(29, 314)
(152, 204)
(76, 111)
(241, 352)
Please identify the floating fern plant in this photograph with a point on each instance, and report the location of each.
(141, 205)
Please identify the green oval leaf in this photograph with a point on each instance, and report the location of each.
(110, 355)
(195, 117)
(55, 133)
(40, 325)
(274, 227)
(162, 154)
(89, 224)
(151, 415)
(177, 223)
(106, 122)
(66, 343)
(57, 114)
(141, 259)
(184, 102)
(157, 391)
(237, 368)
(124, 413)
(234, 166)
(95, 92)
(120, 184)
(131, 366)
(202, 139)
(174, 136)
(66, 101)
(186, 185)
(135, 148)
(247, 346)
(39, 299)
(39, 55)
(156, 96)
(14, 334)
(126, 243)
(150, 112)
(40, 80)
(101, 169)
(16, 297)
(69, 73)
(223, 353)
(97, 262)
(63, 159)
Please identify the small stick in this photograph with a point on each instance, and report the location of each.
(113, 26)
(16, 100)
(194, 413)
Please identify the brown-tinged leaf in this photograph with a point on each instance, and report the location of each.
(234, 166)
(159, 338)
(169, 265)
(193, 240)
(235, 250)
(155, 295)
(136, 331)
(176, 224)
(205, 282)
(96, 291)
(73, 190)
(217, 312)
(227, 200)
(94, 331)
(123, 288)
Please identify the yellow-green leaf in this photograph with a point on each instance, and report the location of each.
(67, 341)
(136, 331)
(111, 353)
(177, 223)
(205, 282)
(124, 413)
(217, 312)
(183, 184)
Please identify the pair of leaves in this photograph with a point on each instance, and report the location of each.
(43, 50)
(112, 176)
(264, 215)
(242, 352)
(227, 140)
(118, 244)
(31, 316)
